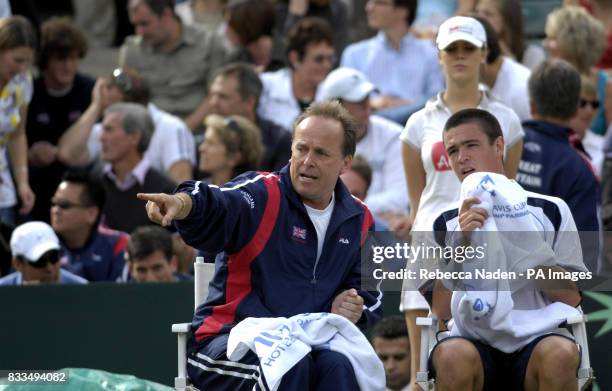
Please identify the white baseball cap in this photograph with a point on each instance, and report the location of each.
(347, 84)
(32, 240)
(461, 28)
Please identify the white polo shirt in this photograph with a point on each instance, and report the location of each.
(423, 132)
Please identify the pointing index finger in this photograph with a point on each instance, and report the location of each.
(155, 197)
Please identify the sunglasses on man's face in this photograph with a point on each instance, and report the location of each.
(67, 204)
(593, 103)
(51, 257)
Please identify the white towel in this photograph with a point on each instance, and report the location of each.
(485, 309)
(281, 342)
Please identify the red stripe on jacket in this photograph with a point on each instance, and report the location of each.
(238, 284)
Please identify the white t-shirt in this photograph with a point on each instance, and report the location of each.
(423, 132)
(593, 143)
(511, 87)
(171, 141)
(381, 147)
(320, 220)
(277, 102)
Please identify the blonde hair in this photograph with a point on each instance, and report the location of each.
(581, 37)
(238, 134)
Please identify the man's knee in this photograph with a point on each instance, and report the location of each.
(454, 359)
(555, 357)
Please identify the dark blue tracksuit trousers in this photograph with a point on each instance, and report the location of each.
(323, 370)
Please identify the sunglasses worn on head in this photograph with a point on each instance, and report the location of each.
(594, 103)
(51, 257)
(122, 80)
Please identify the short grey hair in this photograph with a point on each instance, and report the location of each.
(135, 118)
(554, 89)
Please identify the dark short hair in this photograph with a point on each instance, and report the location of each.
(59, 38)
(390, 327)
(411, 6)
(306, 32)
(485, 121)
(147, 239)
(362, 168)
(493, 47)
(250, 19)
(158, 6)
(93, 191)
(333, 110)
(554, 89)
(249, 83)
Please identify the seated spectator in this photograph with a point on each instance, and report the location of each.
(506, 78)
(259, 220)
(391, 55)
(36, 256)
(89, 250)
(61, 95)
(485, 350)
(150, 256)
(231, 146)
(506, 18)
(172, 147)
(175, 59)
(288, 91)
(550, 164)
(205, 14)
(235, 90)
(334, 12)
(592, 143)
(377, 140)
(578, 38)
(390, 340)
(127, 129)
(250, 29)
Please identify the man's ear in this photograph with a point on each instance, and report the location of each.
(499, 145)
(346, 164)
(174, 263)
(294, 58)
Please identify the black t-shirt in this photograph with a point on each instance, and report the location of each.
(48, 118)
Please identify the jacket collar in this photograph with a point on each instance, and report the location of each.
(550, 129)
(346, 206)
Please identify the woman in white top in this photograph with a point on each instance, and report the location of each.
(432, 185)
(17, 44)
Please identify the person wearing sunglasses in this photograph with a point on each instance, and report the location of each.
(90, 250)
(592, 142)
(288, 91)
(36, 257)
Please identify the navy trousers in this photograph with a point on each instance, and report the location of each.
(323, 370)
